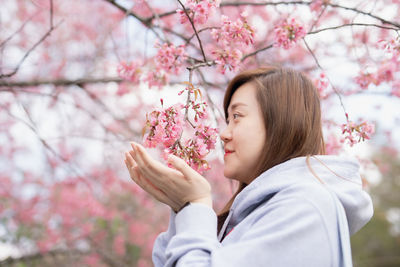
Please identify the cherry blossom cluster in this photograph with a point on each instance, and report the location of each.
(392, 46)
(194, 150)
(233, 37)
(169, 57)
(227, 59)
(165, 129)
(322, 85)
(288, 32)
(135, 73)
(129, 71)
(169, 60)
(165, 126)
(198, 10)
(238, 32)
(385, 73)
(355, 133)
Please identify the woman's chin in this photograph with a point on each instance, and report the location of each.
(229, 173)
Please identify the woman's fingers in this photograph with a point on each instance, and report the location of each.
(158, 173)
(146, 184)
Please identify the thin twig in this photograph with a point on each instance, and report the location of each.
(256, 52)
(18, 30)
(320, 67)
(188, 95)
(29, 51)
(194, 29)
(201, 30)
(51, 14)
(318, 18)
(353, 24)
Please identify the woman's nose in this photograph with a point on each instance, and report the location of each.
(226, 135)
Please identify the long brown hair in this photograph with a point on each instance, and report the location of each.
(291, 112)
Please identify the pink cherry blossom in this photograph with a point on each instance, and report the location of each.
(156, 78)
(392, 46)
(355, 133)
(322, 85)
(165, 126)
(129, 71)
(170, 58)
(229, 58)
(233, 37)
(238, 33)
(364, 79)
(288, 32)
(207, 134)
(198, 11)
(386, 72)
(332, 145)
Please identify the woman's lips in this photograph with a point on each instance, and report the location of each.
(227, 152)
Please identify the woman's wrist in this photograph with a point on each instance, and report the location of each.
(181, 208)
(206, 201)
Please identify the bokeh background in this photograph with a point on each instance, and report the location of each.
(68, 112)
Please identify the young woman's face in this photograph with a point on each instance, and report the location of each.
(244, 136)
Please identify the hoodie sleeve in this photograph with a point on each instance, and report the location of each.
(162, 240)
(289, 232)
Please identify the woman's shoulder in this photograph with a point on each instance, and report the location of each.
(308, 193)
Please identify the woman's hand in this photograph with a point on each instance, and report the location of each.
(167, 185)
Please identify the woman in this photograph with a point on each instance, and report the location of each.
(294, 206)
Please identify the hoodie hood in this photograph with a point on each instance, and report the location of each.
(339, 174)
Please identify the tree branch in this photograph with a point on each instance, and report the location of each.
(256, 52)
(195, 31)
(29, 51)
(353, 24)
(60, 82)
(397, 25)
(320, 67)
(18, 30)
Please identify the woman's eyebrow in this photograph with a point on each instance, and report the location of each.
(235, 105)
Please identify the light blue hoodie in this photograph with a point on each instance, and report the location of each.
(285, 217)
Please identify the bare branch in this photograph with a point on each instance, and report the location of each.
(201, 30)
(29, 51)
(51, 14)
(384, 21)
(148, 22)
(320, 67)
(60, 82)
(353, 24)
(256, 52)
(92, 115)
(18, 30)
